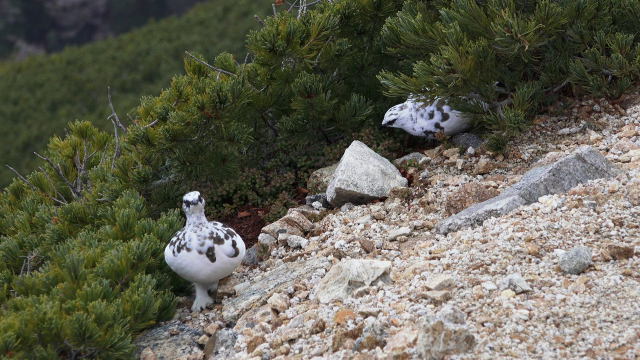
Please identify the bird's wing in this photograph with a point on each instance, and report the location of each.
(178, 242)
(219, 236)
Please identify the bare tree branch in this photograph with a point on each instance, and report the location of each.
(24, 179)
(294, 4)
(563, 84)
(114, 115)
(209, 66)
(115, 120)
(60, 173)
(116, 151)
(150, 124)
(26, 264)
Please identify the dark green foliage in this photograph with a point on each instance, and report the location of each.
(536, 50)
(43, 93)
(81, 260)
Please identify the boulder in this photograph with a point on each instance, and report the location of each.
(362, 176)
(319, 179)
(582, 165)
(347, 276)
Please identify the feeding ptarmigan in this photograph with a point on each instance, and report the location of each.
(423, 119)
(203, 252)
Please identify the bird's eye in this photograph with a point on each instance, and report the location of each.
(391, 122)
(186, 203)
(200, 199)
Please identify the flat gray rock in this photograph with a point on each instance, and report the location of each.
(259, 290)
(169, 341)
(582, 165)
(362, 176)
(347, 276)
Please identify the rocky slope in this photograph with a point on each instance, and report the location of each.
(554, 277)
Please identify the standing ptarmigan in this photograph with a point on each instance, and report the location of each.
(203, 252)
(423, 119)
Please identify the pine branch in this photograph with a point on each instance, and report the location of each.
(61, 202)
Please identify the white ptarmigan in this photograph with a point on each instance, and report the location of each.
(425, 120)
(203, 252)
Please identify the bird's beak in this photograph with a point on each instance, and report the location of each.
(389, 123)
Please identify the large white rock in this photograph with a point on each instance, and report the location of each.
(362, 176)
(347, 276)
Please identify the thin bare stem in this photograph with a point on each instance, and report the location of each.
(26, 264)
(24, 179)
(114, 115)
(209, 66)
(150, 124)
(116, 152)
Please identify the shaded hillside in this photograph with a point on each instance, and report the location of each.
(28, 27)
(42, 94)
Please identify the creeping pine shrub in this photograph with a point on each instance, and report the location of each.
(81, 265)
(505, 59)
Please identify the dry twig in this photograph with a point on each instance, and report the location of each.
(116, 124)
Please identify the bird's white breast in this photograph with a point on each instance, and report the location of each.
(205, 253)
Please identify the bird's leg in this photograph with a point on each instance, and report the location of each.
(213, 291)
(202, 298)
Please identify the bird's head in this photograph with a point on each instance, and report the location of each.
(392, 116)
(193, 203)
